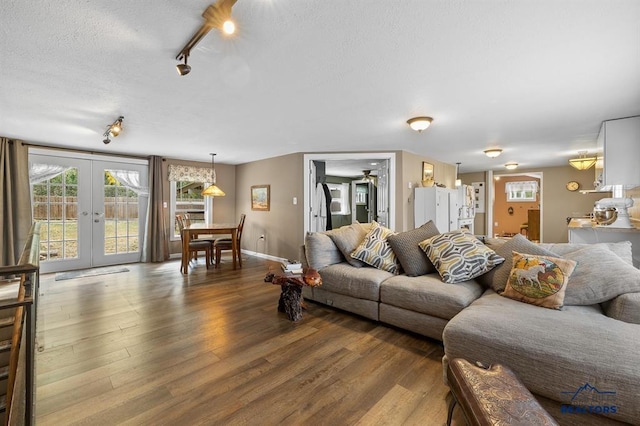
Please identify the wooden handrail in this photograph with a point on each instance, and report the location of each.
(28, 268)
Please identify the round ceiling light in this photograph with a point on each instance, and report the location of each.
(419, 123)
(493, 152)
(511, 166)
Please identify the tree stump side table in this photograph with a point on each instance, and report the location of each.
(290, 301)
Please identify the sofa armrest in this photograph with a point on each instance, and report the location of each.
(625, 307)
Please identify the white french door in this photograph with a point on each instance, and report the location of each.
(92, 210)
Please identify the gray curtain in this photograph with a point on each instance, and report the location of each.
(156, 242)
(15, 199)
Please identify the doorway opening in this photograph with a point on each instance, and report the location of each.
(517, 205)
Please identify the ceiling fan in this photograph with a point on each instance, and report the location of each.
(216, 15)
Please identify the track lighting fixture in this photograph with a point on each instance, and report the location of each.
(113, 130)
(217, 15)
(184, 69)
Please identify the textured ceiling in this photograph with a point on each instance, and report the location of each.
(535, 78)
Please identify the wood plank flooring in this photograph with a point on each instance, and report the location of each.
(152, 347)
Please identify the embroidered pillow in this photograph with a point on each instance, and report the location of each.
(376, 251)
(539, 280)
(459, 256)
(405, 245)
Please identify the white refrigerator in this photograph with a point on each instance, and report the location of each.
(437, 204)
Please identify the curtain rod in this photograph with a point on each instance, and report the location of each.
(58, 148)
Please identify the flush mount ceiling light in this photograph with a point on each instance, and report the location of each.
(493, 152)
(511, 166)
(419, 123)
(212, 190)
(217, 15)
(583, 162)
(113, 130)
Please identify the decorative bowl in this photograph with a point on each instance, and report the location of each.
(605, 216)
(427, 183)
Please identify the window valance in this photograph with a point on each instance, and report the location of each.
(189, 174)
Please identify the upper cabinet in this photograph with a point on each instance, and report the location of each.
(618, 154)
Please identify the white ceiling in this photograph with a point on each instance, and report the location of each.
(535, 78)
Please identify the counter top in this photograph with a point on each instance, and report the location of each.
(579, 223)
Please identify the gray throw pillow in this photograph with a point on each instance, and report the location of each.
(600, 275)
(347, 239)
(414, 261)
(320, 250)
(496, 278)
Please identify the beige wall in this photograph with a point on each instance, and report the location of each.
(410, 170)
(283, 224)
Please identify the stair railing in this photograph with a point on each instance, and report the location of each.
(20, 397)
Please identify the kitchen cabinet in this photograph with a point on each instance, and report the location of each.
(618, 153)
(584, 231)
(437, 204)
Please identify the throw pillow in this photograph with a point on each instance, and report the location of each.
(459, 256)
(496, 279)
(539, 280)
(376, 251)
(320, 250)
(414, 261)
(600, 275)
(347, 239)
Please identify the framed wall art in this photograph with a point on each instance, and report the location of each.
(260, 197)
(427, 171)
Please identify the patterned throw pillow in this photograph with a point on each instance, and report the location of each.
(459, 256)
(376, 251)
(539, 280)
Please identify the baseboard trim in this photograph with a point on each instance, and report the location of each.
(247, 252)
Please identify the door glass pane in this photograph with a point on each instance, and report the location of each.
(121, 217)
(55, 207)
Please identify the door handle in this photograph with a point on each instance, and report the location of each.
(85, 213)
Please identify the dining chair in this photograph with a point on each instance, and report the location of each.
(226, 243)
(196, 246)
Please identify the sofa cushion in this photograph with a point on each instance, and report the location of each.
(363, 283)
(347, 239)
(427, 294)
(539, 280)
(551, 351)
(622, 248)
(413, 259)
(320, 250)
(459, 256)
(625, 307)
(376, 251)
(496, 278)
(600, 275)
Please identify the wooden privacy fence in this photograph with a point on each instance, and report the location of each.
(53, 207)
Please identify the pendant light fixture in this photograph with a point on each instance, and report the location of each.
(212, 190)
(582, 162)
(458, 181)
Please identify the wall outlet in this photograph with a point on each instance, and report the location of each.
(261, 237)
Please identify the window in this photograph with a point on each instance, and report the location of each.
(339, 198)
(521, 191)
(186, 198)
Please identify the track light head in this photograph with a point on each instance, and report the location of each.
(184, 69)
(107, 141)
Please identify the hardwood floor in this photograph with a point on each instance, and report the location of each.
(152, 346)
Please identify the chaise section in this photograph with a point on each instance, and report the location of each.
(553, 352)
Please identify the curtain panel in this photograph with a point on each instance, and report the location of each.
(15, 199)
(156, 242)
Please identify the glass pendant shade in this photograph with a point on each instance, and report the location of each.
(583, 163)
(213, 191)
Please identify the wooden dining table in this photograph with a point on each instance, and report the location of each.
(192, 231)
